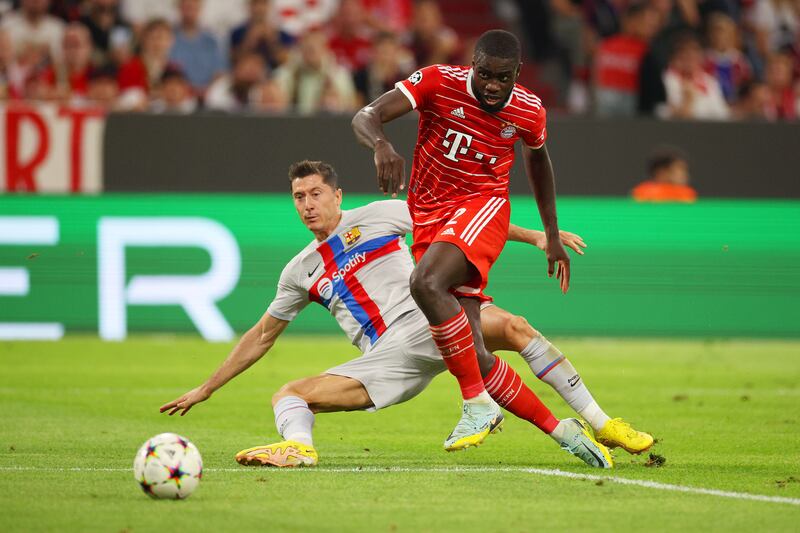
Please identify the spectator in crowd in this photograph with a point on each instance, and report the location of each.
(388, 16)
(776, 24)
(298, 17)
(572, 54)
(68, 80)
(66, 10)
(270, 98)
(430, 40)
(102, 19)
(142, 74)
(674, 21)
(196, 50)
(753, 102)
(176, 95)
(12, 74)
(692, 93)
(261, 35)
(604, 16)
(312, 73)
(784, 97)
(218, 16)
(619, 59)
(724, 59)
(103, 89)
(120, 46)
(240, 89)
(35, 32)
(668, 179)
(535, 19)
(391, 62)
(138, 13)
(350, 39)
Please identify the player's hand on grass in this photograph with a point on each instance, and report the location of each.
(185, 402)
(391, 168)
(558, 263)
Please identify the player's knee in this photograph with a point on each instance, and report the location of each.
(289, 389)
(519, 333)
(423, 284)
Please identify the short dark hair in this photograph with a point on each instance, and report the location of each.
(155, 24)
(173, 72)
(304, 168)
(106, 71)
(636, 9)
(682, 41)
(662, 158)
(498, 43)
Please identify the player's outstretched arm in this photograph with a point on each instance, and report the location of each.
(368, 127)
(250, 348)
(542, 179)
(539, 238)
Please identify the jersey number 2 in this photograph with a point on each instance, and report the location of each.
(460, 211)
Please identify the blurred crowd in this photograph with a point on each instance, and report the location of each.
(702, 59)
(689, 59)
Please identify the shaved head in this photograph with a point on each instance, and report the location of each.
(500, 44)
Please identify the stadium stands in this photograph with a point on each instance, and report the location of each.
(666, 58)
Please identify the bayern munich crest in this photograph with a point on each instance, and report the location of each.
(508, 132)
(325, 288)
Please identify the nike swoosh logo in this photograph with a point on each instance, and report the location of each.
(315, 269)
(600, 460)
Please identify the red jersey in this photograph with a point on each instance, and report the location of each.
(618, 61)
(78, 81)
(464, 152)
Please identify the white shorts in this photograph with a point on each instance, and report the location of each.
(400, 365)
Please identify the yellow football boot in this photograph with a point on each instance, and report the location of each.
(288, 453)
(618, 433)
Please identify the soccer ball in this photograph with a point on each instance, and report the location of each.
(168, 466)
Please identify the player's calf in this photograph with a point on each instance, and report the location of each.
(518, 333)
(551, 366)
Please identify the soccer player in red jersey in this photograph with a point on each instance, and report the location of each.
(470, 120)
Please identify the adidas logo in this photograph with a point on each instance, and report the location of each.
(458, 112)
(448, 231)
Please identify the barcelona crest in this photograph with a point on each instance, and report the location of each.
(352, 235)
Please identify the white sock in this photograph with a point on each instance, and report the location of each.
(294, 419)
(558, 433)
(480, 398)
(594, 415)
(550, 365)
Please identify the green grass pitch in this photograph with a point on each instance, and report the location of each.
(73, 413)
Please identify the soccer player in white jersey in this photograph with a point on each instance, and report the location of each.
(358, 267)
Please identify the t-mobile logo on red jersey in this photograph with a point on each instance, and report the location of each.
(455, 145)
(460, 145)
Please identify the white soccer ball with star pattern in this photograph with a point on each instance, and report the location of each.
(168, 466)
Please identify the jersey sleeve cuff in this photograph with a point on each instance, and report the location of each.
(281, 316)
(407, 93)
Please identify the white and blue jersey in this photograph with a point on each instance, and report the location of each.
(360, 273)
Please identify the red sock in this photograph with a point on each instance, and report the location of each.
(506, 388)
(454, 340)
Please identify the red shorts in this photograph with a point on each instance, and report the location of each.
(479, 227)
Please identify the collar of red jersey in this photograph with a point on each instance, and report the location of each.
(472, 94)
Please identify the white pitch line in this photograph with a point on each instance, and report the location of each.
(539, 471)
